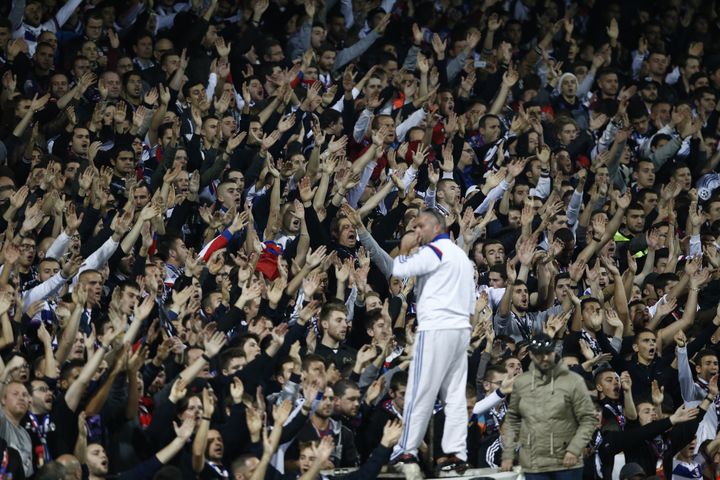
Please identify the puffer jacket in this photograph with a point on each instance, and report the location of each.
(549, 415)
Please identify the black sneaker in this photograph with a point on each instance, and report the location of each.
(451, 465)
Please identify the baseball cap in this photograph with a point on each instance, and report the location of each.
(630, 470)
(542, 343)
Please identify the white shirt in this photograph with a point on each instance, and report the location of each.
(444, 284)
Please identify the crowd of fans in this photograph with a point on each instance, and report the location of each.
(201, 201)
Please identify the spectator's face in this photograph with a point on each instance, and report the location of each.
(374, 86)
(349, 403)
(124, 163)
(336, 27)
(514, 218)
(141, 197)
(491, 131)
(608, 385)
(569, 87)
(520, 193)
(649, 202)
(44, 59)
(234, 365)
(390, 67)
(215, 445)
(657, 64)
(708, 102)
(112, 82)
(108, 116)
(58, 85)
(379, 331)
(47, 269)
(325, 409)
(124, 65)
(229, 195)
(315, 372)
(94, 283)
(660, 113)
(171, 64)
(33, 14)
(210, 36)
(646, 413)
(346, 233)
(161, 47)
(90, 50)
(335, 326)
(80, 67)
(143, 48)
(513, 367)
(274, 54)
(649, 93)
(692, 66)
(108, 14)
(645, 175)
(194, 410)
(494, 254)
(28, 249)
(608, 84)
(7, 188)
(257, 93)
(640, 125)
(652, 33)
(447, 103)
(592, 320)
(16, 400)
(635, 221)
(449, 192)
(96, 460)
(42, 397)
(228, 126)
(4, 37)
(683, 178)
(327, 60)
(495, 280)
(180, 251)
(520, 298)
(251, 349)
(209, 129)
(129, 298)
(568, 133)
(707, 367)
(317, 37)
(561, 289)
(513, 33)
(49, 37)
(93, 28)
(493, 381)
(398, 397)
(134, 86)
(645, 346)
(713, 210)
(389, 124)
(78, 350)
(543, 361)
(306, 459)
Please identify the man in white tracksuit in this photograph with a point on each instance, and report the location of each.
(445, 300)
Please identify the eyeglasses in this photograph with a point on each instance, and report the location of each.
(27, 246)
(41, 389)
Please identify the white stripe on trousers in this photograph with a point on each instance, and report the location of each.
(438, 369)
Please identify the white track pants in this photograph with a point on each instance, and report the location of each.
(438, 369)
